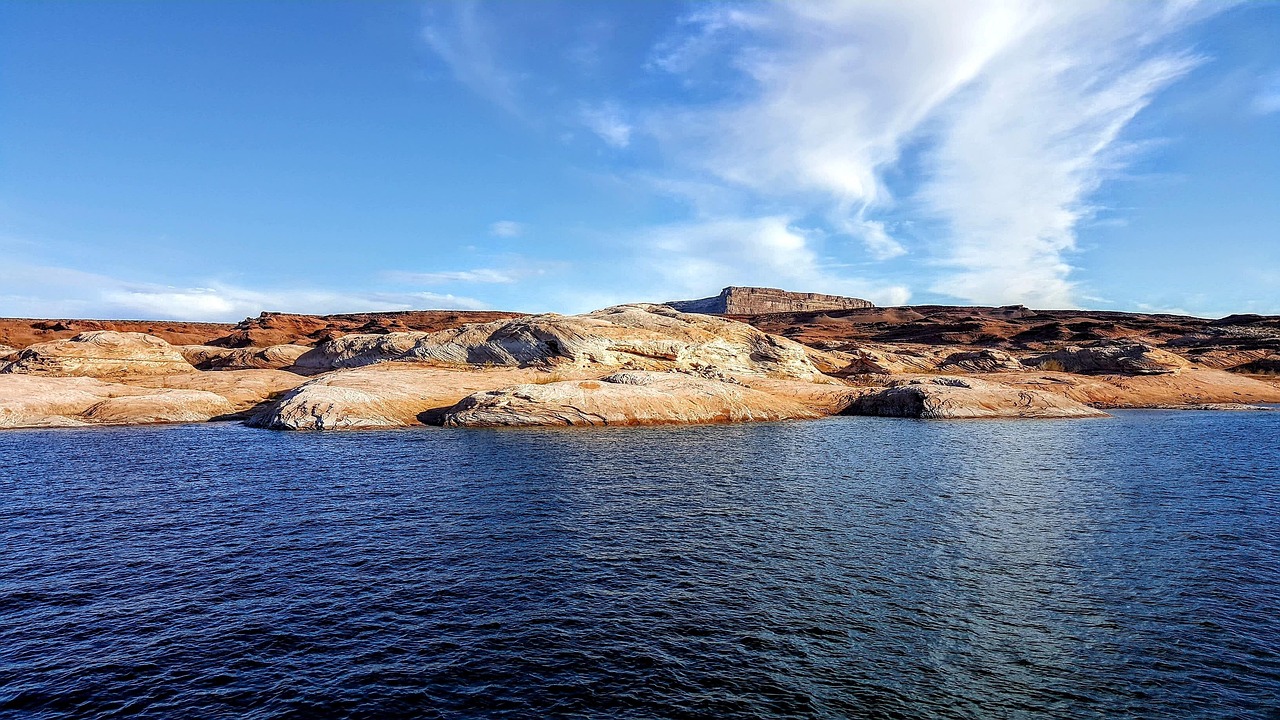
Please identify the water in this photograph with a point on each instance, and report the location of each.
(851, 567)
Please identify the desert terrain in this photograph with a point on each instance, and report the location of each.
(633, 365)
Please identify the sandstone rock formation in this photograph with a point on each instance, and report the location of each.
(880, 361)
(631, 364)
(1222, 343)
(272, 328)
(244, 389)
(24, 332)
(42, 401)
(201, 356)
(959, 397)
(208, 357)
(164, 406)
(382, 396)
(1188, 387)
(756, 301)
(1269, 365)
(100, 353)
(1115, 357)
(643, 337)
(626, 398)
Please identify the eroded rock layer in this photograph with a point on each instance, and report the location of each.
(100, 353)
(641, 337)
(949, 397)
(627, 398)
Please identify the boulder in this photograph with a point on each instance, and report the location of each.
(1128, 358)
(947, 397)
(643, 337)
(626, 398)
(101, 354)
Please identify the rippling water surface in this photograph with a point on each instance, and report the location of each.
(850, 567)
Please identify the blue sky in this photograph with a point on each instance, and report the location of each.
(212, 160)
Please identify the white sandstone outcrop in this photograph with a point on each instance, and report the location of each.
(626, 398)
(36, 401)
(273, 357)
(382, 396)
(643, 337)
(100, 353)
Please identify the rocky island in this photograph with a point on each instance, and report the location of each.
(739, 358)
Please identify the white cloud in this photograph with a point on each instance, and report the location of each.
(1020, 151)
(1267, 100)
(479, 275)
(460, 37)
(605, 120)
(43, 291)
(1018, 108)
(833, 91)
(506, 229)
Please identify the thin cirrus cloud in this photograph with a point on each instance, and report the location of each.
(1013, 184)
(90, 295)
(990, 124)
(458, 34)
(605, 120)
(478, 275)
(1267, 100)
(506, 229)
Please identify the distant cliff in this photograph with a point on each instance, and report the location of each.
(758, 301)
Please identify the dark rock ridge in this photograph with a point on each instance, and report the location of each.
(1226, 343)
(265, 330)
(760, 301)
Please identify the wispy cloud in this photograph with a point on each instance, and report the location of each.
(1267, 100)
(65, 292)
(831, 92)
(991, 124)
(479, 275)
(506, 229)
(605, 120)
(459, 35)
(1012, 186)
(1017, 109)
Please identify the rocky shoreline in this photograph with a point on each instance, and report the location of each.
(629, 365)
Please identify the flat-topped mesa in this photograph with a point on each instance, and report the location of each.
(760, 301)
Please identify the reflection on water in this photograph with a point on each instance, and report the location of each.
(851, 567)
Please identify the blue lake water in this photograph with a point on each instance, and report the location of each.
(849, 567)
